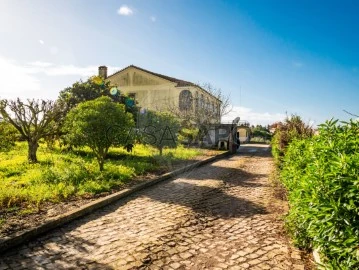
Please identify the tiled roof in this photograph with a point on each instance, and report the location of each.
(180, 83)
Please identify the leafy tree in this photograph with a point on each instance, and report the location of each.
(188, 135)
(261, 132)
(98, 124)
(159, 129)
(91, 89)
(8, 136)
(34, 120)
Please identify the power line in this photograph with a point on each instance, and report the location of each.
(351, 113)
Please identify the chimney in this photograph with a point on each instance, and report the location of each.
(102, 72)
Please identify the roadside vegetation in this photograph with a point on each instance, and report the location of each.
(320, 174)
(91, 140)
(58, 176)
(260, 134)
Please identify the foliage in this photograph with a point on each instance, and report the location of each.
(34, 120)
(188, 135)
(8, 135)
(98, 124)
(59, 176)
(292, 128)
(260, 133)
(91, 89)
(159, 129)
(321, 175)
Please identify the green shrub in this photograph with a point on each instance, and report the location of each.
(292, 128)
(8, 135)
(322, 177)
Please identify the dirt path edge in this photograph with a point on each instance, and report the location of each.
(24, 236)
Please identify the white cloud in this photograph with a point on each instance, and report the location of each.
(25, 81)
(54, 50)
(125, 11)
(51, 69)
(153, 18)
(40, 64)
(254, 118)
(16, 82)
(41, 42)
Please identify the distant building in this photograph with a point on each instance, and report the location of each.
(218, 135)
(158, 92)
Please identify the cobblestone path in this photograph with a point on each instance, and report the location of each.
(220, 216)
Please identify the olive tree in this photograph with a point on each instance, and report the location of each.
(34, 119)
(159, 129)
(89, 123)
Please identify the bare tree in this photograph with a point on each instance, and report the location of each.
(200, 115)
(226, 106)
(34, 120)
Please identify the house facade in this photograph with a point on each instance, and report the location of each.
(153, 91)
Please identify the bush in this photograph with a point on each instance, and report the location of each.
(99, 124)
(322, 177)
(8, 135)
(292, 128)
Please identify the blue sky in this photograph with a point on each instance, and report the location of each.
(271, 57)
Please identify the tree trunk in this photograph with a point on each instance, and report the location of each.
(101, 162)
(161, 151)
(33, 145)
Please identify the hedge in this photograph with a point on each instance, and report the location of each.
(321, 175)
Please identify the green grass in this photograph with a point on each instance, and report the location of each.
(59, 176)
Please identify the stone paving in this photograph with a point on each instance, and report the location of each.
(219, 216)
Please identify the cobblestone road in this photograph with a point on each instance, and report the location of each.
(219, 216)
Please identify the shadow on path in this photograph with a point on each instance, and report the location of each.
(45, 254)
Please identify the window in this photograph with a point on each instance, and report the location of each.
(197, 101)
(185, 100)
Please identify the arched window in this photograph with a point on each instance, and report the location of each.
(185, 100)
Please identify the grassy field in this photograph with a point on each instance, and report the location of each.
(59, 176)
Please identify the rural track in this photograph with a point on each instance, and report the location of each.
(219, 216)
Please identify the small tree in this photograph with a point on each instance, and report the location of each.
(159, 129)
(7, 136)
(260, 131)
(89, 124)
(34, 120)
